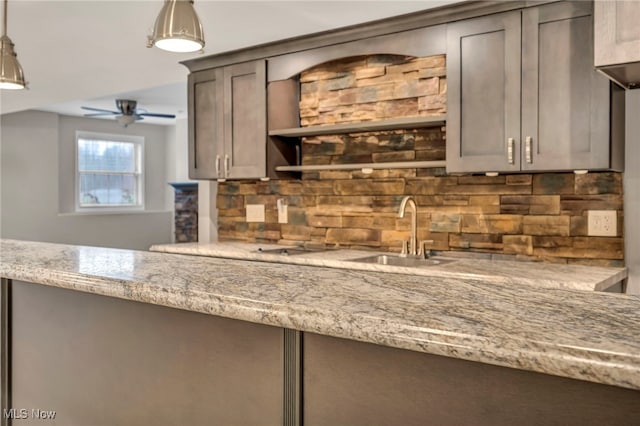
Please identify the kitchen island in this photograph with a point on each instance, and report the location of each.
(280, 343)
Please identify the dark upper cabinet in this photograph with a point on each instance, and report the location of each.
(524, 96)
(483, 93)
(228, 122)
(617, 40)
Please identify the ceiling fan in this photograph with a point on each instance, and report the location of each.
(127, 112)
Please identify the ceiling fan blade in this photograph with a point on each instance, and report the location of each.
(151, 114)
(97, 114)
(100, 110)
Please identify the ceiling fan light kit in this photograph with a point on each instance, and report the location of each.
(177, 28)
(11, 74)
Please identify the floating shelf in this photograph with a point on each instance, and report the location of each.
(364, 166)
(363, 126)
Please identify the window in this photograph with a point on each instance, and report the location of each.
(109, 172)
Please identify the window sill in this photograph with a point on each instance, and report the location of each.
(113, 212)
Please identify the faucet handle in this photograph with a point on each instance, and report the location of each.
(404, 251)
(422, 249)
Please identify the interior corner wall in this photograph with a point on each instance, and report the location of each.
(632, 191)
(38, 174)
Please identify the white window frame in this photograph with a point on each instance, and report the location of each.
(140, 156)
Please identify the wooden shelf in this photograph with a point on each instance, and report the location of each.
(357, 166)
(363, 126)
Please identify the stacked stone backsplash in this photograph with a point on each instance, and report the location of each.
(539, 216)
(186, 212)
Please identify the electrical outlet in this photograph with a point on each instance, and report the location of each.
(255, 212)
(602, 223)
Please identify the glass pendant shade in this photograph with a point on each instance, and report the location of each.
(178, 28)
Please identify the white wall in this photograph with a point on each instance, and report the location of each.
(632, 191)
(37, 181)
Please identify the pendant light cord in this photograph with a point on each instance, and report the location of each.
(4, 27)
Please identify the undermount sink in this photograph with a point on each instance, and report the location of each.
(289, 251)
(392, 260)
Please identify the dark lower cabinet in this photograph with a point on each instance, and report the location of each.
(98, 360)
(353, 383)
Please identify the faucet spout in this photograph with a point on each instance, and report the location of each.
(413, 240)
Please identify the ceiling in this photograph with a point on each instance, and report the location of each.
(90, 52)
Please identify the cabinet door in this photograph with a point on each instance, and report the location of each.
(617, 34)
(245, 118)
(205, 123)
(565, 102)
(483, 100)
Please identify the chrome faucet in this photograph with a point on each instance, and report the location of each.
(413, 240)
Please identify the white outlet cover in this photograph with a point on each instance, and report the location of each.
(602, 223)
(255, 212)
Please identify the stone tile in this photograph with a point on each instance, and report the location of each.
(317, 187)
(394, 238)
(518, 244)
(488, 189)
(382, 221)
(334, 174)
(443, 85)
(296, 232)
(324, 221)
(599, 183)
(369, 187)
(485, 242)
(267, 200)
(519, 179)
(397, 108)
(579, 226)
(366, 222)
(551, 242)
(230, 201)
(597, 262)
(228, 188)
(546, 225)
(285, 187)
(553, 183)
(491, 224)
(348, 236)
(297, 216)
(241, 213)
(432, 102)
(370, 72)
(482, 180)
(340, 82)
(381, 157)
(442, 222)
(430, 185)
(432, 72)
(577, 205)
(455, 200)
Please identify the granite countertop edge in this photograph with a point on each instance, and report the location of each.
(374, 307)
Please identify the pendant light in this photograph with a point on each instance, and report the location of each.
(177, 28)
(11, 76)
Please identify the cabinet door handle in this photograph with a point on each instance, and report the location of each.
(510, 147)
(527, 149)
(227, 166)
(217, 165)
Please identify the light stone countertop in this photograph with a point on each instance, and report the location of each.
(517, 273)
(591, 336)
